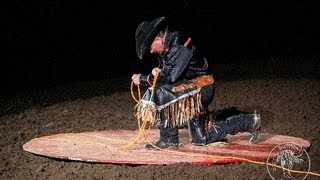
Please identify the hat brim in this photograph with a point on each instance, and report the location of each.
(145, 45)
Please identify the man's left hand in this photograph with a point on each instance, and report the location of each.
(136, 79)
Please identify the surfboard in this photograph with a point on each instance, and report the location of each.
(123, 147)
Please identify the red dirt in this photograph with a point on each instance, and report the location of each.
(120, 147)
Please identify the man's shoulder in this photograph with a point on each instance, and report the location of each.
(179, 49)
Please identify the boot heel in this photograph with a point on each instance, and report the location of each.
(197, 132)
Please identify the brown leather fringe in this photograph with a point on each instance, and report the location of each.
(177, 113)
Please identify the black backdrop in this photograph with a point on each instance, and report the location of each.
(55, 42)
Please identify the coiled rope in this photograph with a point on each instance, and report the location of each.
(142, 126)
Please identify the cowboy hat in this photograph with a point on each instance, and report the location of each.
(145, 34)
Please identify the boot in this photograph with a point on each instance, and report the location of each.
(169, 139)
(238, 123)
(255, 130)
(197, 132)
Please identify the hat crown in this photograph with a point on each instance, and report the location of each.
(145, 34)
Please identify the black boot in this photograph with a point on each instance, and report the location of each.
(255, 130)
(238, 123)
(169, 139)
(198, 135)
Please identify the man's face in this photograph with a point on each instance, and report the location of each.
(157, 45)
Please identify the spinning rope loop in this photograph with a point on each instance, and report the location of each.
(143, 126)
(141, 132)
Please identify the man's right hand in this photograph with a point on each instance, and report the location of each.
(136, 79)
(156, 71)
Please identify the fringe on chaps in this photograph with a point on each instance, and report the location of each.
(177, 112)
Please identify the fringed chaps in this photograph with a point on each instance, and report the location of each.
(179, 107)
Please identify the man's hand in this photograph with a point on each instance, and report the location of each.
(136, 79)
(155, 71)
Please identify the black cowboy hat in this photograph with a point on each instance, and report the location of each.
(145, 34)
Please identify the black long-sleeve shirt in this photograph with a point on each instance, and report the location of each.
(180, 62)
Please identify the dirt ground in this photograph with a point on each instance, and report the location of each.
(284, 90)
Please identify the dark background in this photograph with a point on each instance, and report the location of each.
(50, 43)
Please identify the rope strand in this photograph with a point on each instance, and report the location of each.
(141, 132)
